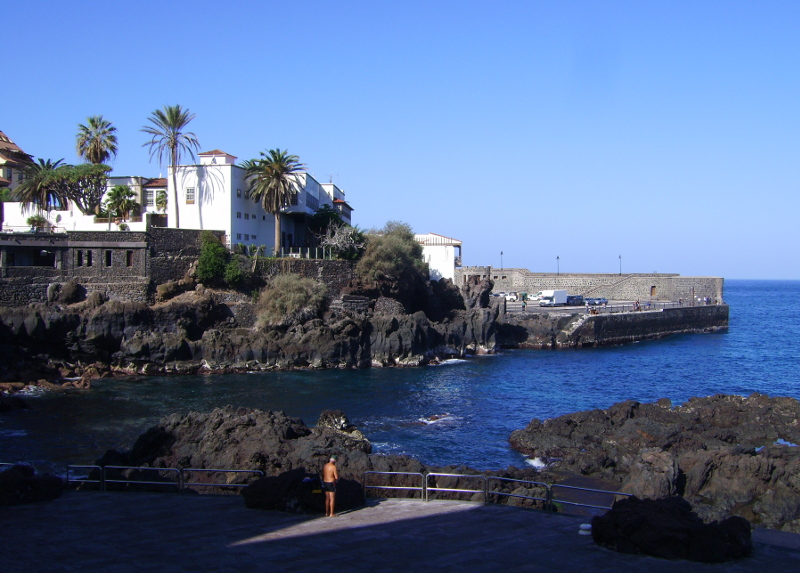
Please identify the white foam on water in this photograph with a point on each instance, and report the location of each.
(438, 419)
(13, 433)
(536, 463)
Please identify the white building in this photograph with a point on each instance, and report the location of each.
(442, 254)
(211, 195)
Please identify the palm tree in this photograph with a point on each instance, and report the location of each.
(272, 180)
(120, 201)
(168, 139)
(37, 188)
(96, 142)
(161, 200)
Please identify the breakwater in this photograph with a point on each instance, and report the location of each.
(577, 329)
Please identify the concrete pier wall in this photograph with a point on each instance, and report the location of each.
(577, 329)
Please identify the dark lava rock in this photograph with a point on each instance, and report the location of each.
(20, 484)
(669, 529)
(724, 454)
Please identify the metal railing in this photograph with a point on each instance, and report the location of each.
(549, 499)
(421, 488)
(424, 487)
(181, 481)
(533, 306)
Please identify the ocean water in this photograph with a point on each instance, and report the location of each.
(460, 412)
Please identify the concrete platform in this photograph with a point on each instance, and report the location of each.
(136, 532)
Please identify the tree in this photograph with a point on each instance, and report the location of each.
(393, 264)
(120, 201)
(39, 188)
(167, 138)
(96, 142)
(344, 241)
(272, 180)
(83, 184)
(161, 200)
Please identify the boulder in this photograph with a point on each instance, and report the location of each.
(669, 529)
(20, 484)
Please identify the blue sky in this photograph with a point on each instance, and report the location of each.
(664, 132)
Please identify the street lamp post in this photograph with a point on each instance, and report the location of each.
(620, 265)
(501, 260)
(558, 265)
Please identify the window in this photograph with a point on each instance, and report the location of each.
(128, 258)
(246, 237)
(263, 217)
(20, 177)
(88, 258)
(9, 173)
(238, 236)
(190, 195)
(238, 214)
(253, 237)
(80, 258)
(108, 258)
(239, 193)
(149, 198)
(247, 216)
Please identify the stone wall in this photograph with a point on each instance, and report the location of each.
(637, 286)
(334, 274)
(173, 251)
(123, 265)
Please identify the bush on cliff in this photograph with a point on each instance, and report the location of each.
(393, 264)
(290, 298)
(213, 259)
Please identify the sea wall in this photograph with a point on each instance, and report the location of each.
(635, 286)
(577, 329)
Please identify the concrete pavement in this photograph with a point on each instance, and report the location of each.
(127, 532)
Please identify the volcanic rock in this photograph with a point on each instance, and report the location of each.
(725, 454)
(668, 528)
(20, 484)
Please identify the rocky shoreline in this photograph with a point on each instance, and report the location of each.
(726, 455)
(204, 331)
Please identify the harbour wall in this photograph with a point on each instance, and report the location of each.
(633, 286)
(576, 329)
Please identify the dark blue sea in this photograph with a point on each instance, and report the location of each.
(476, 403)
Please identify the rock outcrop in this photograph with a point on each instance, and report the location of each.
(204, 331)
(291, 456)
(20, 484)
(727, 455)
(669, 529)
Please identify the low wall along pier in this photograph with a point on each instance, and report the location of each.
(633, 286)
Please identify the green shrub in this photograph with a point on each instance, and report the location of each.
(235, 276)
(213, 259)
(290, 298)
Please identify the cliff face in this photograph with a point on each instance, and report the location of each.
(203, 331)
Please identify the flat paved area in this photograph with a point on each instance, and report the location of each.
(144, 532)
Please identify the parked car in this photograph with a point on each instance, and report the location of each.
(596, 301)
(574, 300)
(512, 296)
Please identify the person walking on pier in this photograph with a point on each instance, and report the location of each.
(329, 478)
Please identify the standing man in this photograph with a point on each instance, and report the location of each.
(329, 478)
